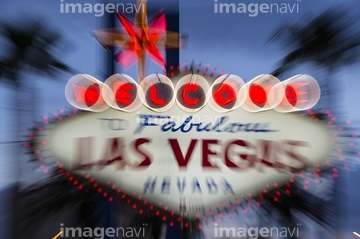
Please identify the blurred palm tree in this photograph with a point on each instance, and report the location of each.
(330, 40)
(26, 49)
(29, 48)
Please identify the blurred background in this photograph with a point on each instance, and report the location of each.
(41, 48)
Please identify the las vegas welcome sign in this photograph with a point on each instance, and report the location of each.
(192, 145)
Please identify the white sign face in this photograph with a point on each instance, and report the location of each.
(190, 161)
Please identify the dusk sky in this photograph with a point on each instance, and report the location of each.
(233, 42)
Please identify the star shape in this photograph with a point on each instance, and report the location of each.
(139, 40)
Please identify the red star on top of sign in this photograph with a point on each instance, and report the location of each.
(140, 39)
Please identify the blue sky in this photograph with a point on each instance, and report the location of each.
(235, 43)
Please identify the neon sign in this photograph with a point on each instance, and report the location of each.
(192, 92)
(189, 162)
